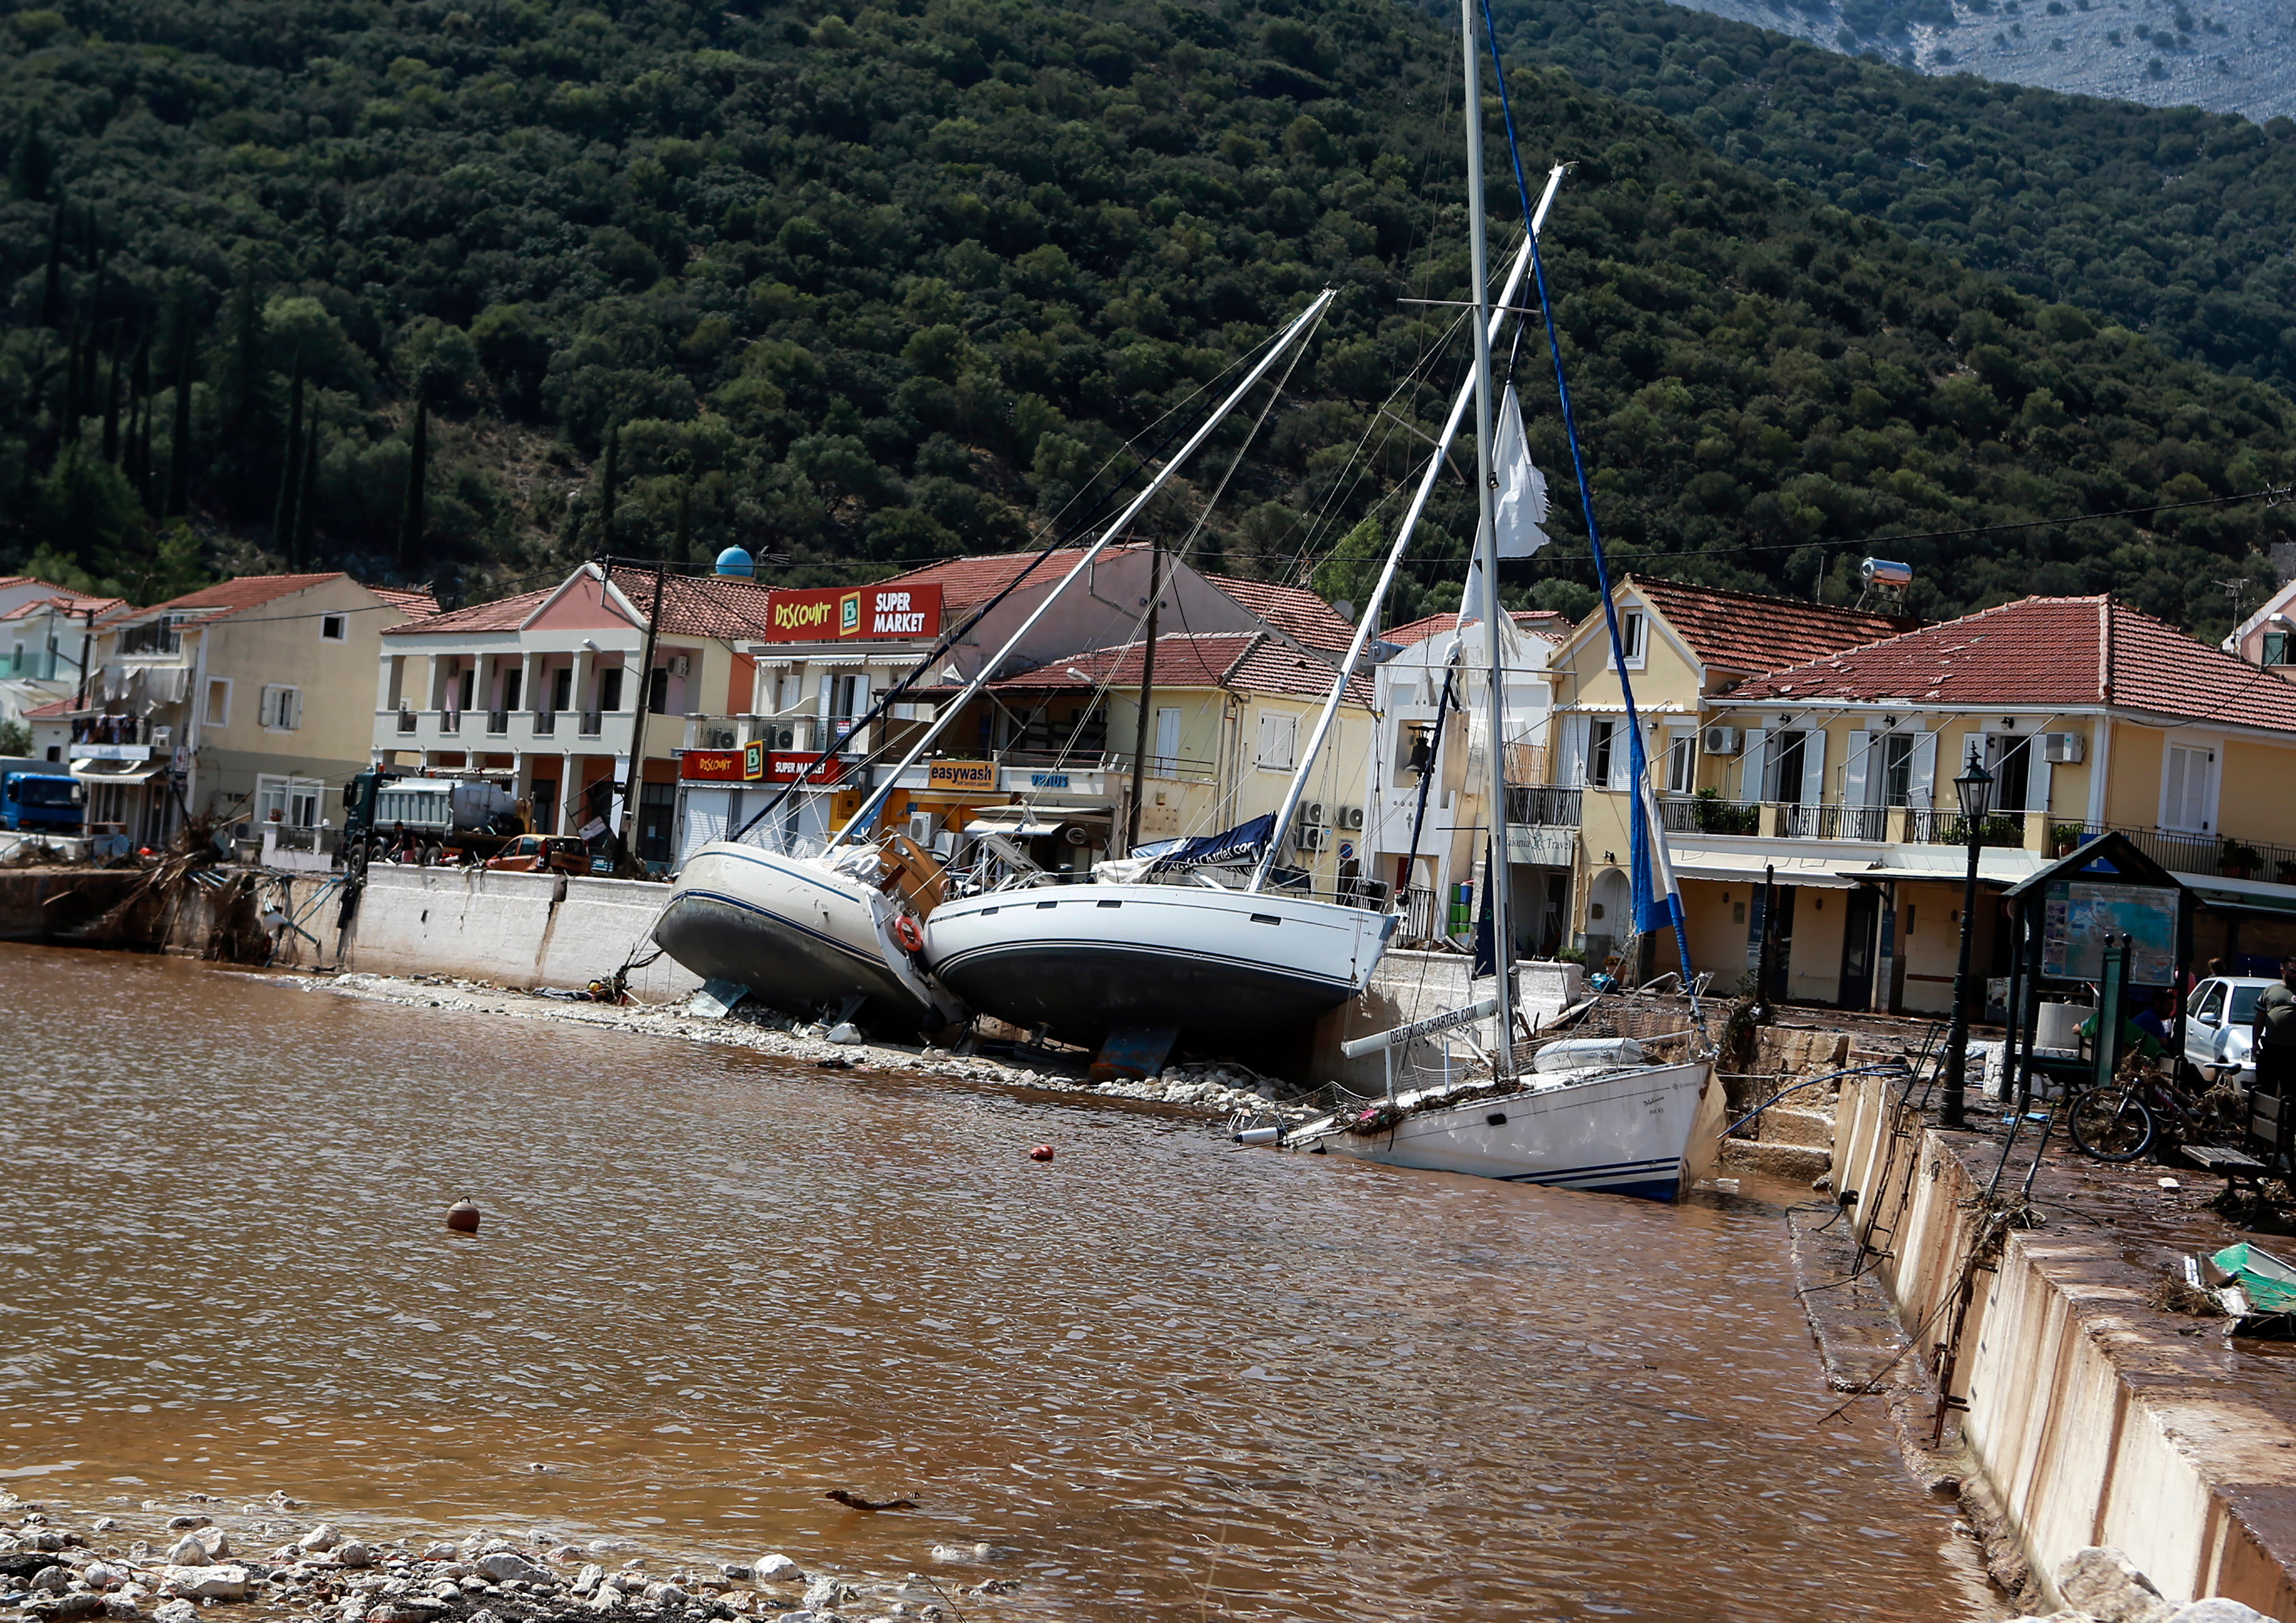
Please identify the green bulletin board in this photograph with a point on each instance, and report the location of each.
(2081, 914)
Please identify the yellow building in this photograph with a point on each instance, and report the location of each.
(1687, 647)
(1837, 773)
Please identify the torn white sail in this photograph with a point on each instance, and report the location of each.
(1519, 506)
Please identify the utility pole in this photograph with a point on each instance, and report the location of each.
(1147, 685)
(632, 778)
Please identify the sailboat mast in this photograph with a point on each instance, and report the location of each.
(1487, 550)
(1147, 686)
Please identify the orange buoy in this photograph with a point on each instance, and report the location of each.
(1042, 1152)
(462, 1216)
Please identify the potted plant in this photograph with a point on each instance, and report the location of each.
(2065, 838)
(2238, 860)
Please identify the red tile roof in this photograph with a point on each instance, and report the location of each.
(2055, 651)
(54, 708)
(410, 599)
(241, 592)
(502, 614)
(67, 602)
(1539, 622)
(1247, 662)
(1293, 610)
(1746, 632)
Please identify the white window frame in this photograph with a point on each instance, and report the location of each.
(1603, 742)
(1275, 725)
(1682, 761)
(1633, 636)
(208, 717)
(276, 703)
(2213, 748)
(342, 631)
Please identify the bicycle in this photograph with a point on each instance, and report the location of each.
(2121, 1120)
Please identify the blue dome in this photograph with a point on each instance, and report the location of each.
(734, 561)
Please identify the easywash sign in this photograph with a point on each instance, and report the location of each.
(830, 615)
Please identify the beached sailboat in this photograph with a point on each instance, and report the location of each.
(813, 932)
(1586, 1114)
(1230, 967)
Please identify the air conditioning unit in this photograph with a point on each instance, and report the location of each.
(1722, 741)
(680, 665)
(1351, 817)
(1311, 813)
(920, 828)
(1314, 839)
(2063, 749)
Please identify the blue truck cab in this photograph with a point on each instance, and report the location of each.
(47, 802)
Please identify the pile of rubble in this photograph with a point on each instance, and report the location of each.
(52, 1574)
(2100, 1585)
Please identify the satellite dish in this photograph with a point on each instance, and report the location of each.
(1345, 609)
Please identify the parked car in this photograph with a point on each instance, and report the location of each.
(2220, 1025)
(543, 854)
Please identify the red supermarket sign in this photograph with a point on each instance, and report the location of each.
(828, 614)
(789, 766)
(744, 765)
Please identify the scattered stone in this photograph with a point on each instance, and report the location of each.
(779, 1569)
(2218, 1611)
(187, 1552)
(2105, 1584)
(205, 1583)
(52, 1580)
(503, 1565)
(740, 1572)
(320, 1538)
(353, 1554)
(177, 1612)
(178, 1524)
(122, 1606)
(102, 1574)
(824, 1594)
(845, 1035)
(106, 1524)
(440, 1550)
(65, 1608)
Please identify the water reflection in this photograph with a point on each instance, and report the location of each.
(1178, 1380)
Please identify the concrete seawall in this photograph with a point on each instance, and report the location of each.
(2093, 1418)
(514, 930)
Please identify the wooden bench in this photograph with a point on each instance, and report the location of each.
(2234, 1166)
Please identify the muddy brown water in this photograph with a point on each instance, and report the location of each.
(1178, 1380)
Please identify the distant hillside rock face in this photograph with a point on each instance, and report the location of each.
(2227, 56)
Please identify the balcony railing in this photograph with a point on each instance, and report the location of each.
(1822, 823)
(498, 723)
(545, 723)
(2184, 852)
(1705, 814)
(1544, 806)
(1938, 826)
(450, 720)
(406, 721)
(589, 724)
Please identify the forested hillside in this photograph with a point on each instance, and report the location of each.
(2177, 222)
(862, 286)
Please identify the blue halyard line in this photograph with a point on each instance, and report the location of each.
(1640, 830)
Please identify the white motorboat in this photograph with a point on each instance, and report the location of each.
(1218, 966)
(804, 934)
(1651, 1131)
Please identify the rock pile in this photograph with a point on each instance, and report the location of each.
(2100, 1585)
(321, 1574)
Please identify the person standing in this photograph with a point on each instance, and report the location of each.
(2273, 1045)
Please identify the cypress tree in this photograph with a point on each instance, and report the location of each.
(410, 521)
(282, 513)
(52, 292)
(608, 485)
(69, 427)
(300, 541)
(684, 521)
(111, 409)
(246, 378)
(179, 449)
(140, 389)
(32, 164)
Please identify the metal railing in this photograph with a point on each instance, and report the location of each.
(1833, 822)
(1422, 914)
(407, 720)
(2187, 852)
(1938, 826)
(498, 723)
(1544, 806)
(450, 720)
(1703, 815)
(590, 724)
(545, 723)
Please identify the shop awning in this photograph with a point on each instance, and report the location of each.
(2242, 896)
(1011, 830)
(117, 771)
(1741, 867)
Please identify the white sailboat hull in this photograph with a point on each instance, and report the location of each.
(1650, 1131)
(801, 934)
(1218, 966)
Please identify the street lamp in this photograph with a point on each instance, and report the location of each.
(1975, 787)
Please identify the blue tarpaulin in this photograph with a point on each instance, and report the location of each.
(1242, 843)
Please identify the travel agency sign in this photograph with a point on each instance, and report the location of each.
(830, 615)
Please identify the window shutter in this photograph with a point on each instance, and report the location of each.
(1859, 776)
(1574, 751)
(1813, 767)
(2177, 769)
(1921, 782)
(291, 702)
(1277, 733)
(1756, 766)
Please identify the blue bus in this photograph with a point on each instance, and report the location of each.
(49, 802)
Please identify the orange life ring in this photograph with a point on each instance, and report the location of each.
(905, 932)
